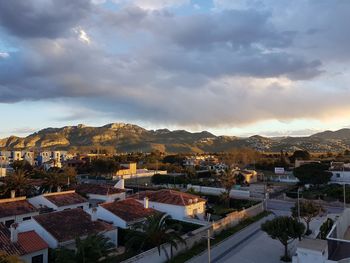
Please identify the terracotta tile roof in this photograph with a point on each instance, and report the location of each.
(169, 197)
(28, 242)
(15, 207)
(129, 209)
(5, 242)
(31, 242)
(69, 224)
(98, 189)
(65, 198)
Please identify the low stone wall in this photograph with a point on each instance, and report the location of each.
(235, 193)
(196, 236)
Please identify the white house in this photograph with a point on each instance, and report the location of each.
(104, 193)
(312, 251)
(28, 245)
(177, 204)
(124, 213)
(16, 210)
(59, 229)
(60, 201)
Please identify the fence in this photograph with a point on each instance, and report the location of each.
(196, 236)
(218, 191)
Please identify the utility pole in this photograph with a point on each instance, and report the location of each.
(209, 260)
(344, 194)
(298, 204)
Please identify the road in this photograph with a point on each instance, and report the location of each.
(276, 205)
(252, 245)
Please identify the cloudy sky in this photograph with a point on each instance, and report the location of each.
(231, 67)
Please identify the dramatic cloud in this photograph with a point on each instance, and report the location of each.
(236, 64)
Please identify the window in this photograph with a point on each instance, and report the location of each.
(338, 175)
(38, 259)
(80, 207)
(8, 223)
(26, 218)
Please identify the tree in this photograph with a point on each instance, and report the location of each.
(53, 180)
(239, 178)
(22, 165)
(285, 229)
(155, 232)
(227, 180)
(94, 248)
(300, 155)
(308, 210)
(4, 258)
(17, 181)
(313, 173)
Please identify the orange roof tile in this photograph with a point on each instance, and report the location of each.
(169, 197)
(31, 242)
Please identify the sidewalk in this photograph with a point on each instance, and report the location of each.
(221, 249)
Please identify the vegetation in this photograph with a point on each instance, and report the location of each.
(4, 258)
(313, 173)
(156, 231)
(308, 211)
(325, 228)
(95, 248)
(285, 229)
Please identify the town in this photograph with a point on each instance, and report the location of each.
(154, 207)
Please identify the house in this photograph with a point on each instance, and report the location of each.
(126, 169)
(340, 172)
(27, 245)
(16, 210)
(312, 251)
(177, 204)
(104, 193)
(124, 213)
(60, 229)
(336, 247)
(60, 201)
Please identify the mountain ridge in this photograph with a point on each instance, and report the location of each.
(126, 137)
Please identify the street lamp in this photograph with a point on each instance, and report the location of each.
(344, 195)
(209, 237)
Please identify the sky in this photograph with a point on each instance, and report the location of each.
(233, 67)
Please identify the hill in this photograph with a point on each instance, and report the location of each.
(128, 137)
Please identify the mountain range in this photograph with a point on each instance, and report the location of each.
(129, 137)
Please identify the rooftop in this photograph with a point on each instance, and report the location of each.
(68, 224)
(28, 242)
(65, 198)
(169, 197)
(129, 209)
(313, 244)
(98, 189)
(15, 206)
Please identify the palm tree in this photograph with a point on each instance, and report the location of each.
(94, 248)
(53, 181)
(227, 180)
(17, 181)
(155, 232)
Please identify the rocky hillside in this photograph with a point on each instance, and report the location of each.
(129, 137)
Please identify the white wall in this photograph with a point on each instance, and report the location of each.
(340, 176)
(41, 201)
(310, 256)
(107, 198)
(28, 258)
(18, 218)
(33, 225)
(218, 191)
(106, 215)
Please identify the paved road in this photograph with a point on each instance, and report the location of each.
(251, 245)
(281, 205)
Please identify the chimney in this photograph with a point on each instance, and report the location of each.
(58, 189)
(120, 184)
(14, 232)
(145, 202)
(94, 214)
(13, 193)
